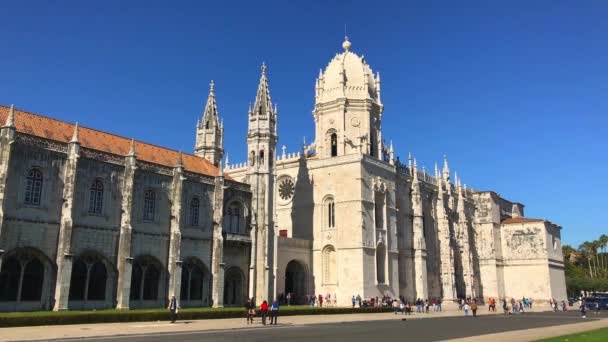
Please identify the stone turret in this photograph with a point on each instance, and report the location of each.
(210, 131)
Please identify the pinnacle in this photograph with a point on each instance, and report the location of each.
(10, 119)
(132, 149)
(75, 137)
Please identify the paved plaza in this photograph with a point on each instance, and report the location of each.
(446, 325)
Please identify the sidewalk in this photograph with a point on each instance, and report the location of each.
(137, 328)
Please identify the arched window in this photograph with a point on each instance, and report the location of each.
(334, 145)
(261, 157)
(149, 205)
(194, 211)
(330, 211)
(329, 265)
(252, 158)
(33, 187)
(234, 218)
(207, 124)
(21, 278)
(380, 262)
(96, 199)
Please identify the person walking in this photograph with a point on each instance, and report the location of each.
(250, 309)
(474, 308)
(395, 306)
(439, 300)
(354, 300)
(274, 312)
(264, 311)
(359, 300)
(505, 307)
(173, 308)
(320, 300)
(583, 310)
(466, 308)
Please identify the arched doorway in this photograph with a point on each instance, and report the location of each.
(295, 282)
(234, 289)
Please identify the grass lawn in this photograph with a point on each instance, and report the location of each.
(599, 335)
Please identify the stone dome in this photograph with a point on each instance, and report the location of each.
(347, 75)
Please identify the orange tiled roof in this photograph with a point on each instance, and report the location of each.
(52, 129)
(520, 220)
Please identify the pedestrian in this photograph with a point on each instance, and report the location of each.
(505, 307)
(474, 308)
(264, 311)
(320, 300)
(439, 300)
(427, 306)
(402, 308)
(173, 308)
(354, 300)
(359, 300)
(250, 309)
(583, 310)
(408, 308)
(288, 298)
(395, 306)
(274, 312)
(466, 308)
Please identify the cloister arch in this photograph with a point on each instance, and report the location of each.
(147, 282)
(25, 280)
(195, 283)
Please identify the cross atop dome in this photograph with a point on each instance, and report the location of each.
(347, 44)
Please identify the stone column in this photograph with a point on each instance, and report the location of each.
(124, 260)
(217, 253)
(7, 138)
(174, 263)
(64, 250)
(446, 252)
(420, 271)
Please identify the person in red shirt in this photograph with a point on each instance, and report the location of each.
(320, 300)
(264, 311)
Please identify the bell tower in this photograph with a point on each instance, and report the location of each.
(261, 146)
(348, 109)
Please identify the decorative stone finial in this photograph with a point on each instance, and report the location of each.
(212, 86)
(227, 162)
(263, 68)
(10, 119)
(347, 44)
(75, 137)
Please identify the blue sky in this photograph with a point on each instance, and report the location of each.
(515, 93)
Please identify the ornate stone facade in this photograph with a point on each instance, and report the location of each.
(89, 220)
(352, 219)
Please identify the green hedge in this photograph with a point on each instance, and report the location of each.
(19, 319)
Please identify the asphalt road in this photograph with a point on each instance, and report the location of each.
(418, 330)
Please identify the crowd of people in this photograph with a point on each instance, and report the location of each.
(399, 305)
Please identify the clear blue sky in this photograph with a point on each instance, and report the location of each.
(515, 93)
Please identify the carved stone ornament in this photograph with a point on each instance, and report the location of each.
(286, 188)
(355, 121)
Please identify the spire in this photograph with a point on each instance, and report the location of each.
(263, 104)
(415, 170)
(227, 162)
(10, 119)
(132, 149)
(210, 115)
(75, 136)
(220, 170)
(446, 169)
(409, 161)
